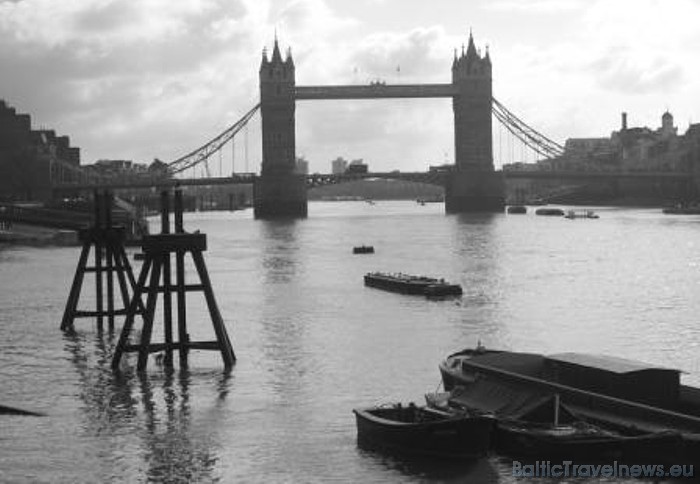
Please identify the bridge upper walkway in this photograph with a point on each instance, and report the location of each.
(375, 91)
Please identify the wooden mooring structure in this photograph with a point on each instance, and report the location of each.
(110, 266)
(156, 280)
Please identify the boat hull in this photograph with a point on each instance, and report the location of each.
(652, 434)
(523, 440)
(449, 437)
(415, 285)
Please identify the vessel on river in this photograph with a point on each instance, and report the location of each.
(408, 284)
(682, 210)
(363, 249)
(623, 395)
(414, 431)
(552, 212)
(548, 429)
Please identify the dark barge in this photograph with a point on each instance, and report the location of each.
(407, 284)
(625, 396)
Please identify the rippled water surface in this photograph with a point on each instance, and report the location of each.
(312, 342)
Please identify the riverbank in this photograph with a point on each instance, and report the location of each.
(35, 235)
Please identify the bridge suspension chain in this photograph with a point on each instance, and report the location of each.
(202, 154)
(535, 140)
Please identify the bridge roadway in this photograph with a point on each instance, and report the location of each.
(375, 91)
(434, 177)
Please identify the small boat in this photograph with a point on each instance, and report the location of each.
(407, 284)
(557, 212)
(572, 214)
(424, 432)
(363, 249)
(516, 209)
(682, 210)
(435, 199)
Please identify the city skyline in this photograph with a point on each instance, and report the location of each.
(155, 80)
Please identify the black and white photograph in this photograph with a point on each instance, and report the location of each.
(369, 241)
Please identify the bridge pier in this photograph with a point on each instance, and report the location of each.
(474, 191)
(279, 196)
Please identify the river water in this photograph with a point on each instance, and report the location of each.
(312, 342)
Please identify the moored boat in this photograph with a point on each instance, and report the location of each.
(580, 441)
(682, 210)
(423, 432)
(547, 429)
(408, 284)
(628, 397)
(556, 212)
(572, 214)
(516, 209)
(363, 249)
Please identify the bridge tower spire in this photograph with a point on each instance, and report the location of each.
(474, 185)
(279, 192)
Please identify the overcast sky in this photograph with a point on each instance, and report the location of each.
(143, 79)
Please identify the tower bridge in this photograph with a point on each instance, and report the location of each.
(473, 185)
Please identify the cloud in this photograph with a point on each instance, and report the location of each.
(533, 6)
(157, 78)
(405, 134)
(108, 71)
(626, 74)
(410, 56)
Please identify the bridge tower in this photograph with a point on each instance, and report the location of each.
(474, 185)
(279, 191)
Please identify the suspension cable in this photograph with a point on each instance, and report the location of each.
(532, 138)
(203, 153)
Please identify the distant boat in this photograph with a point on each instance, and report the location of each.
(557, 212)
(363, 249)
(407, 284)
(434, 199)
(682, 210)
(571, 214)
(516, 209)
(424, 432)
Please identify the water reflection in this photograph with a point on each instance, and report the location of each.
(173, 450)
(146, 415)
(107, 398)
(482, 471)
(478, 253)
(281, 246)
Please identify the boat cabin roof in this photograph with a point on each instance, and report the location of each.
(611, 364)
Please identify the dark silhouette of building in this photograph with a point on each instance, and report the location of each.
(31, 160)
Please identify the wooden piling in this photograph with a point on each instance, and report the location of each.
(106, 241)
(156, 278)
